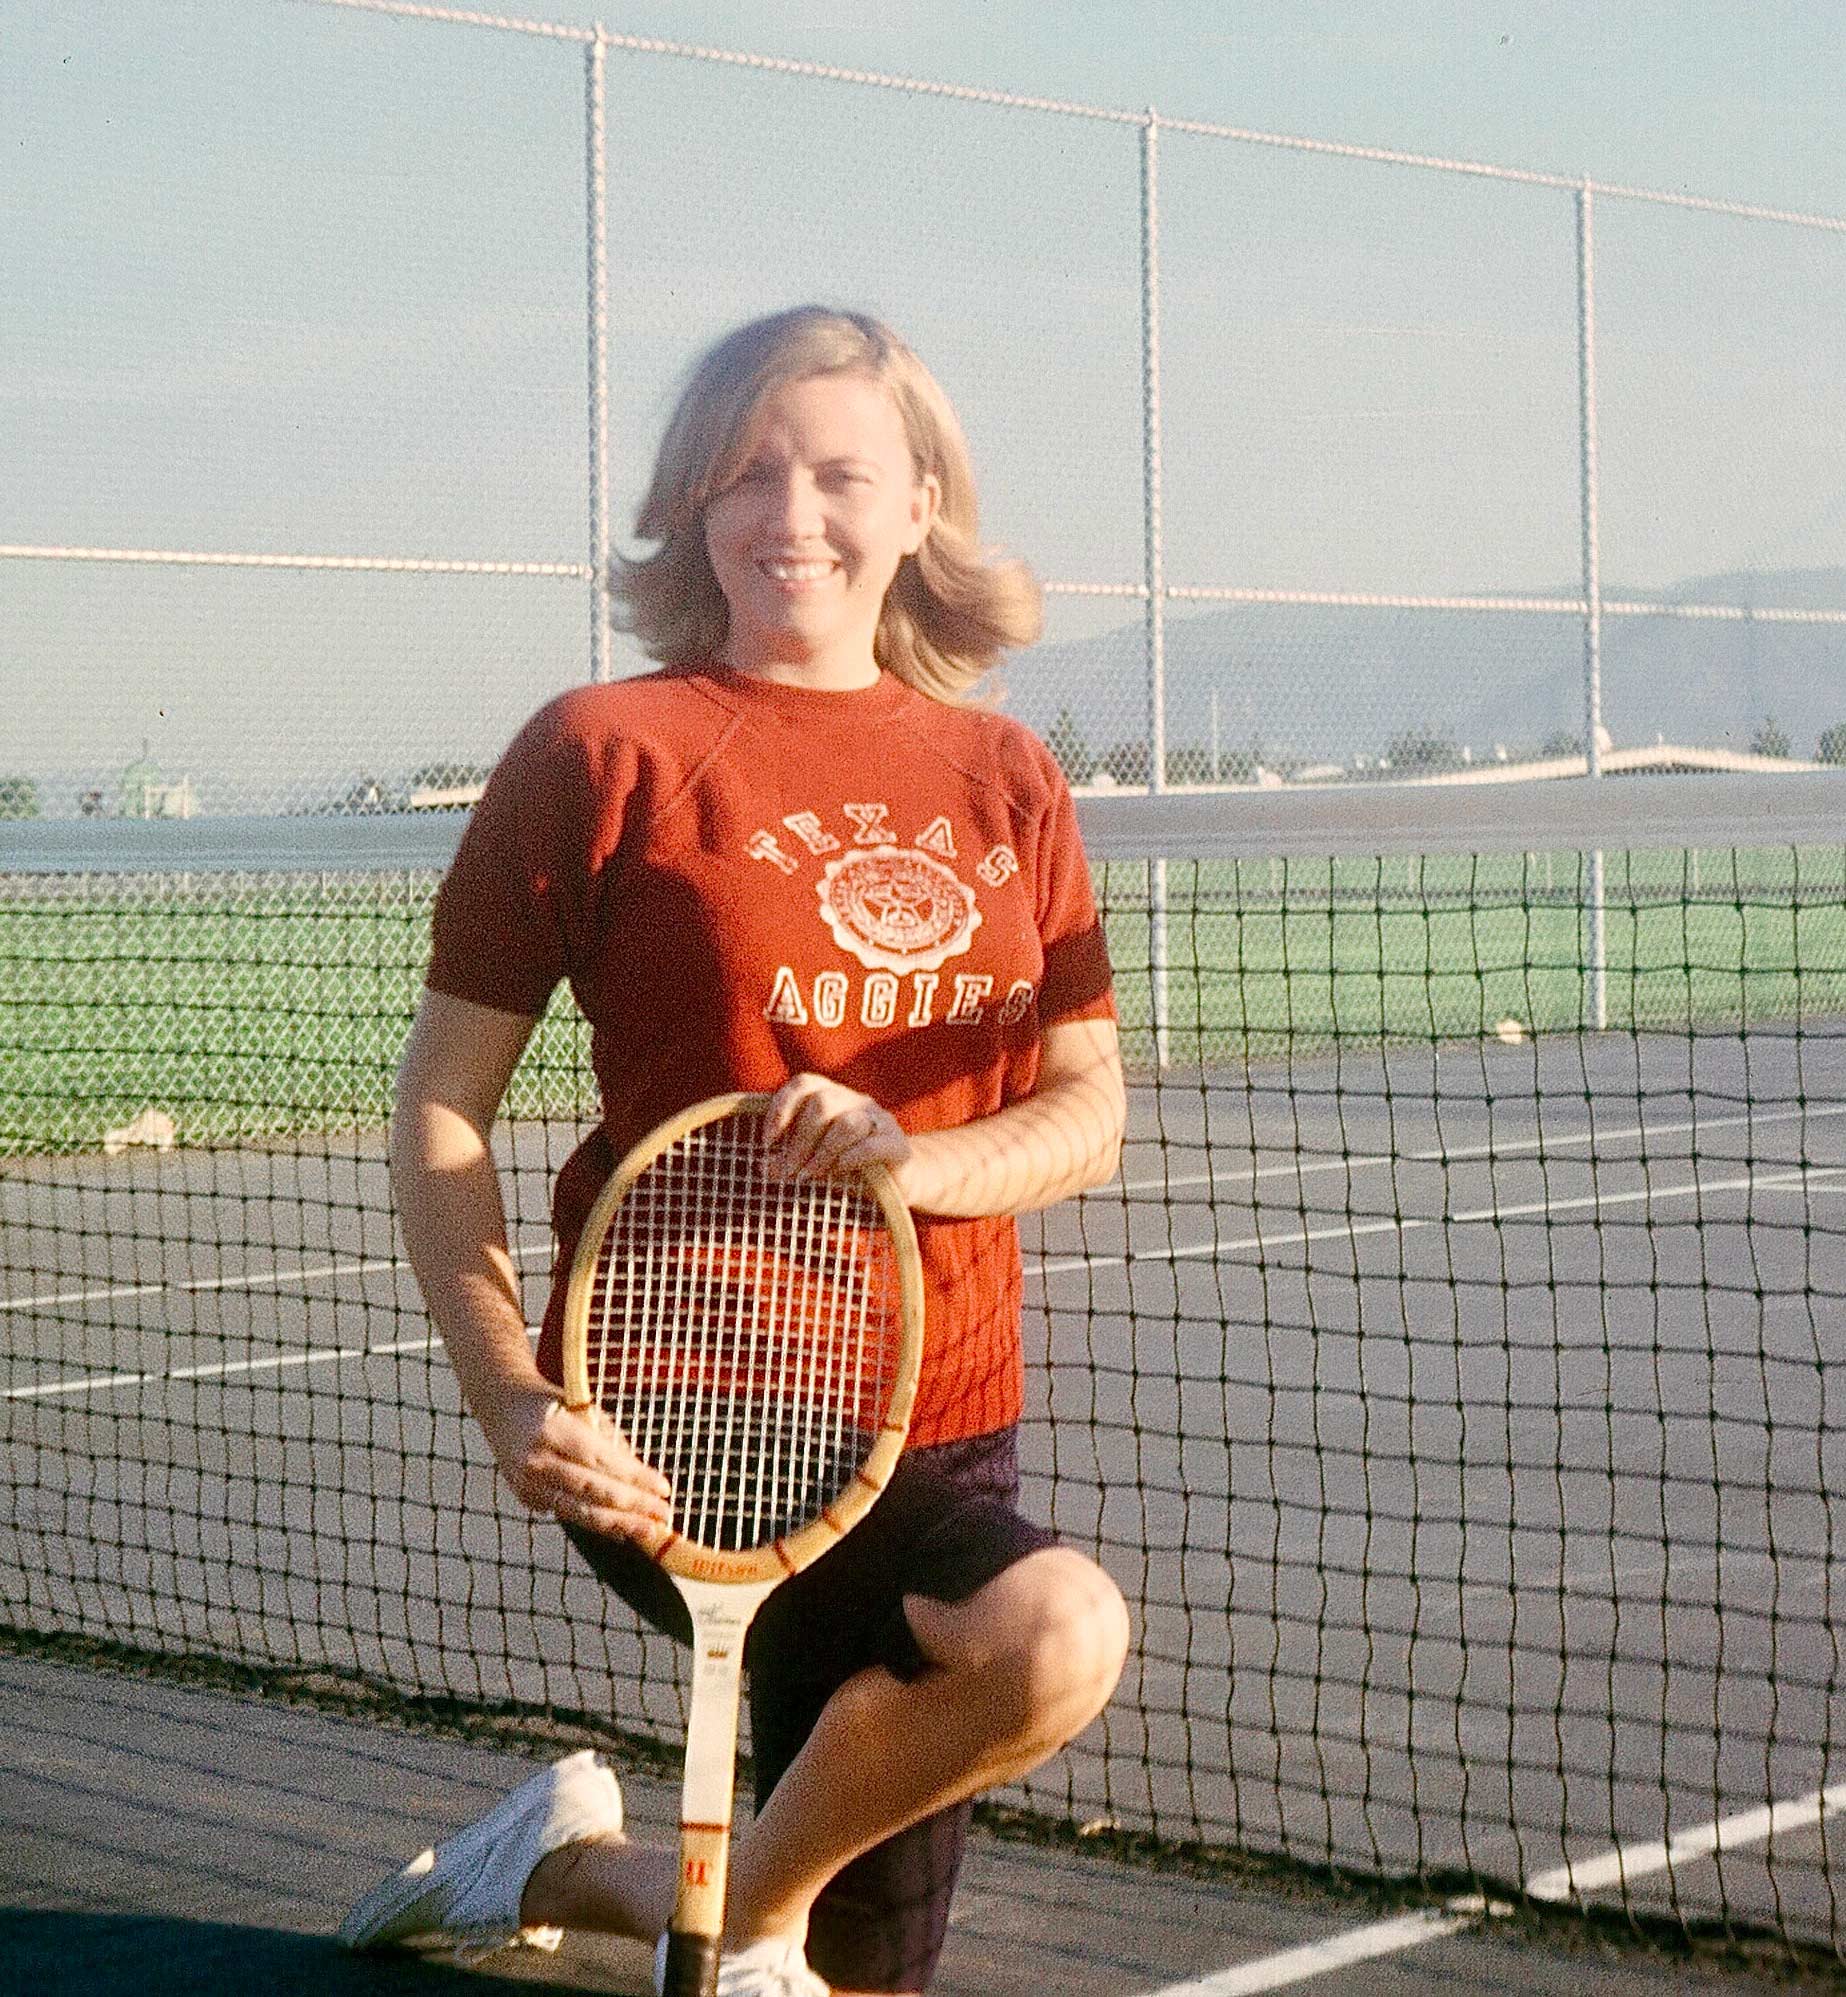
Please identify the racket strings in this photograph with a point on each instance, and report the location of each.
(744, 1334)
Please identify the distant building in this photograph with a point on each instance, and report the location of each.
(1657, 759)
(445, 797)
(145, 794)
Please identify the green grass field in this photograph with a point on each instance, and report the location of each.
(1265, 962)
(241, 1010)
(248, 1009)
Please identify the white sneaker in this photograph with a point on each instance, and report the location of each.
(772, 1967)
(467, 1890)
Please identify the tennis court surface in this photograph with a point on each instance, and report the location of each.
(190, 1842)
(1448, 1381)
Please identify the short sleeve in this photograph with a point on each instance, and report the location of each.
(506, 910)
(1078, 982)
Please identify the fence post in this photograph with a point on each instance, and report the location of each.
(1154, 565)
(596, 172)
(1596, 994)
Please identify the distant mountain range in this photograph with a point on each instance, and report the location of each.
(1316, 684)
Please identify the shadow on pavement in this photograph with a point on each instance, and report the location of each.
(156, 1956)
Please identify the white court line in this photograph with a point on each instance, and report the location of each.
(1297, 1965)
(1636, 1861)
(1619, 1866)
(1348, 1162)
(1496, 1148)
(1349, 1230)
(229, 1369)
(1199, 1251)
(1033, 1266)
(278, 1362)
(264, 1279)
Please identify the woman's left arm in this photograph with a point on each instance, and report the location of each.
(1065, 1136)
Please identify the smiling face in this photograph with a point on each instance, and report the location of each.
(805, 539)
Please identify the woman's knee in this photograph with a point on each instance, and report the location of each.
(1093, 1637)
(1050, 1635)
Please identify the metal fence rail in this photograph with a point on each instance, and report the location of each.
(1194, 659)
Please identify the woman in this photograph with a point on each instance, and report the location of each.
(789, 862)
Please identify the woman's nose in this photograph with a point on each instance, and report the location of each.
(793, 503)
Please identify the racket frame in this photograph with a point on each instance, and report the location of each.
(722, 1588)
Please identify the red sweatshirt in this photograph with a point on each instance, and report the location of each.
(744, 881)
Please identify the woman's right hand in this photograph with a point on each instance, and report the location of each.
(576, 1465)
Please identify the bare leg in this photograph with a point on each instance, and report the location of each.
(607, 1886)
(1014, 1672)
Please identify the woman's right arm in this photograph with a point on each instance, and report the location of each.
(456, 1068)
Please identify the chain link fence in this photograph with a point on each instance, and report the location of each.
(1339, 464)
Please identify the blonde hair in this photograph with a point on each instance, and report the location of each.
(951, 609)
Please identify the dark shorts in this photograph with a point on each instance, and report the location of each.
(945, 1526)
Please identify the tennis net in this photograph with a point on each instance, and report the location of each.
(1449, 1377)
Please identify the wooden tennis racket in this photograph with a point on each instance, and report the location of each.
(757, 1340)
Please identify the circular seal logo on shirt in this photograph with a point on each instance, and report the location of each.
(896, 909)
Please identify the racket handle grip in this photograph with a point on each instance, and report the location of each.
(691, 1966)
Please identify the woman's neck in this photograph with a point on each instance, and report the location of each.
(834, 670)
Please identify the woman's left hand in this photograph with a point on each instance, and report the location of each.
(818, 1129)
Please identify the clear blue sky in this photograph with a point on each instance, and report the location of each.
(1692, 96)
(288, 278)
